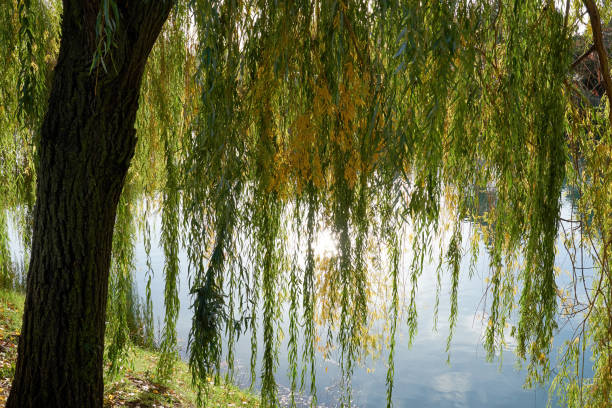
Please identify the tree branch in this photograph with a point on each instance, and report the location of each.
(601, 51)
(583, 56)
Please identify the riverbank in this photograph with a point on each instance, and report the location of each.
(137, 387)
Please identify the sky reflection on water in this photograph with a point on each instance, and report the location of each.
(422, 376)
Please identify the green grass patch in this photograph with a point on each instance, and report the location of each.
(135, 387)
(139, 386)
(11, 310)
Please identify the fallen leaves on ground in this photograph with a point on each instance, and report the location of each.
(137, 391)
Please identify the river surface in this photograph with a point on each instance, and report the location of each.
(423, 378)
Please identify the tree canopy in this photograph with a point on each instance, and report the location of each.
(262, 123)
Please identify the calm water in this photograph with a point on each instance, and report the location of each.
(422, 376)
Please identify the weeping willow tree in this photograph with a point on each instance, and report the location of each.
(255, 125)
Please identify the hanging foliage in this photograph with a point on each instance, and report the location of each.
(263, 124)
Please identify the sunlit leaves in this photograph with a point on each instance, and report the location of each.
(386, 124)
(350, 124)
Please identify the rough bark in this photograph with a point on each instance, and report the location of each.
(599, 45)
(86, 144)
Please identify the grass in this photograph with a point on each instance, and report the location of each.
(136, 387)
(11, 310)
(139, 387)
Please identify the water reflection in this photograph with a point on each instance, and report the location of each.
(423, 377)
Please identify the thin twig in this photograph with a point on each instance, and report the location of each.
(582, 57)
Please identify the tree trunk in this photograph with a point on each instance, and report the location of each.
(599, 45)
(87, 142)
